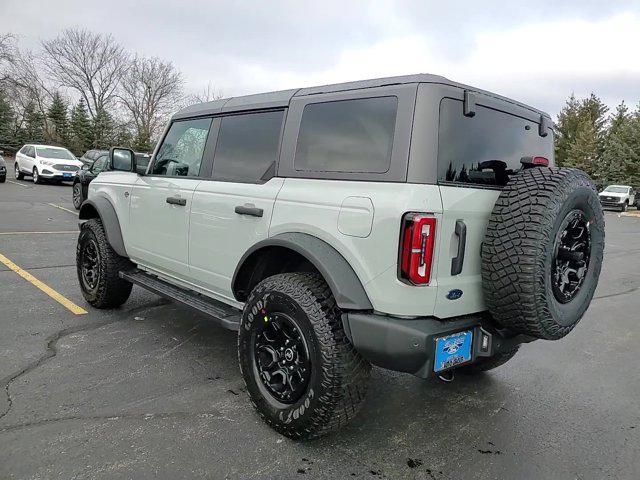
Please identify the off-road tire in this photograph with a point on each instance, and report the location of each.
(485, 364)
(339, 375)
(19, 175)
(518, 250)
(111, 291)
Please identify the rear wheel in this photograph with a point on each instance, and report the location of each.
(78, 196)
(19, 175)
(99, 266)
(301, 373)
(3, 178)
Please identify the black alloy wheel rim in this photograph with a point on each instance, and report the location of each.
(281, 357)
(76, 195)
(572, 250)
(90, 265)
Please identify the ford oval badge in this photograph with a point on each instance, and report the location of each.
(454, 294)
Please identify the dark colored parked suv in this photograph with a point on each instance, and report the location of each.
(90, 171)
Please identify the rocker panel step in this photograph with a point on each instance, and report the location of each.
(224, 315)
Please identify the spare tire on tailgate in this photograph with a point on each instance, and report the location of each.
(542, 252)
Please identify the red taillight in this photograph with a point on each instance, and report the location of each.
(416, 248)
(535, 160)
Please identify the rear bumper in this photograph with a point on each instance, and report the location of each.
(409, 345)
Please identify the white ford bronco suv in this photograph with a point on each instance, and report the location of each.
(412, 223)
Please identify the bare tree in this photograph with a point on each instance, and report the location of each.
(28, 88)
(207, 94)
(151, 90)
(90, 63)
(7, 55)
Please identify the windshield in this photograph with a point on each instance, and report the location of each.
(57, 153)
(614, 189)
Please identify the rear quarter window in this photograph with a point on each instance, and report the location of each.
(354, 136)
(485, 150)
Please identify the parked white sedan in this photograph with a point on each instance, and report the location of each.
(46, 162)
(618, 196)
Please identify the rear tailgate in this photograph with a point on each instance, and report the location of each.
(477, 154)
(470, 208)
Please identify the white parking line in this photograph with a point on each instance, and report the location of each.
(62, 208)
(39, 233)
(19, 184)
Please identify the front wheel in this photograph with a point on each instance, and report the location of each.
(3, 179)
(36, 176)
(78, 196)
(301, 372)
(99, 266)
(624, 206)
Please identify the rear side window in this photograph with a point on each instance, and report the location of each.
(247, 147)
(182, 148)
(485, 149)
(353, 136)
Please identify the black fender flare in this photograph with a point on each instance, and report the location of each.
(103, 209)
(345, 285)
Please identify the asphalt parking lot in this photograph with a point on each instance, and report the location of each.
(153, 390)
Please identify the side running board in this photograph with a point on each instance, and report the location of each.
(224, 315)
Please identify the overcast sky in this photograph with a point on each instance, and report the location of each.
(536, 51)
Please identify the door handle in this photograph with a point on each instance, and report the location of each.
(458, 260)
(177, 201)
(248, 210)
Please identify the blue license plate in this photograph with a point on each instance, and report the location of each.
(453, 350)
(69, 175)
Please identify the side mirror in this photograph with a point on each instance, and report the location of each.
(84, 167)
(122, 159)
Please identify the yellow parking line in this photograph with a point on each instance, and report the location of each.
(65, 302)
(38, 233)
(62, 208)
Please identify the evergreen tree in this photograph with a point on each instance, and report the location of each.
(581, 134)
(102, 129)
(7, 119)
(57, 113)
(567, 129)
(123, 137)
(583, 152)
(81, 132)
(34, 127)
(615, 147)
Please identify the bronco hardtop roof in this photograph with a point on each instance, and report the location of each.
(283, 97)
